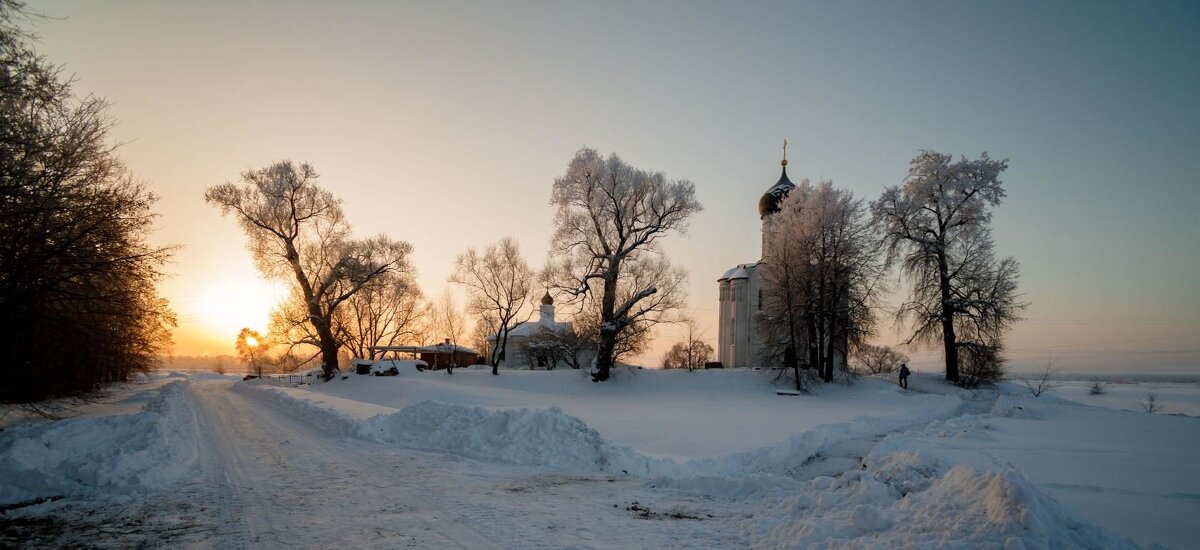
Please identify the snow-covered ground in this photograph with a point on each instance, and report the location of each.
(551, 460)
(1174, 397)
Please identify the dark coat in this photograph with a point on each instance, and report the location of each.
(904, 372)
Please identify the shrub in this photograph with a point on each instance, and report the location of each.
(979, 365)
(868, 359)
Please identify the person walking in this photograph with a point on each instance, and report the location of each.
(904, 372)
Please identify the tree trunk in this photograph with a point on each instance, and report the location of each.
(329, 348)
(604, 355)
(498, 350)
(789, 358)
(608, 326)
(948, 338)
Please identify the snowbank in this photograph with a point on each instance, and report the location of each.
(783, 459)
(1135, 473)
(961, 507)
(544, 437)
(110, 455)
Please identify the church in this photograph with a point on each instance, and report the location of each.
(516, 354)
(739, 343)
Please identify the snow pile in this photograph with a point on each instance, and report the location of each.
(786, 458)
(907, 500)
(543, 437)
(109, 455)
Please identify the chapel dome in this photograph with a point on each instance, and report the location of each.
(547, 300)
(769, 203)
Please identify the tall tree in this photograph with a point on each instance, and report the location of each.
(78, 278)
(499, 285)
(296, 231)
(822, 277)
(608, 221)
(936, 225)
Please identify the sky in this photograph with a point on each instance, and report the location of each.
(444, 124)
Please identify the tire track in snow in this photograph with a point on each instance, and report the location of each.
(295, 486)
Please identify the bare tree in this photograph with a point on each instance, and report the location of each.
(499, 284)
(485, 327)
(449, 324)
(692, 352)
(609, 219)
(869, 359)
(1150, 403)
(1043, 380)
(296, 231)
(936, 224)
(78, 275)
(253, 348)
(822, 277)
(387, 311)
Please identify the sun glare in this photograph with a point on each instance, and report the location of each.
(225, 308)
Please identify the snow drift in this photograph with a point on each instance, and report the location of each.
(905, 500)
(100, 456)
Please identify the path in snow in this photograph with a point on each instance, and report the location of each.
(289, 484)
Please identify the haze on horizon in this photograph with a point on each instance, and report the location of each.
(475, 108)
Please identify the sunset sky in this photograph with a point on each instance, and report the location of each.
(408, 110)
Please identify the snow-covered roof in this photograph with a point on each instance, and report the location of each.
(525, 329)
(435, 348)
(738, 272)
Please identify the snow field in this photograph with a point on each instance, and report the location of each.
(1173, 397)
(915, 486)
(674, 415)
(114, 456)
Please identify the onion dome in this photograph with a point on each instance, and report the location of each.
(769, 203)
(547, 300)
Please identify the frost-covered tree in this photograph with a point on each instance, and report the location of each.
(296, 232)
(79, 303)
(609, 220)
(499, 285)
(936, 225)
(822, 275)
